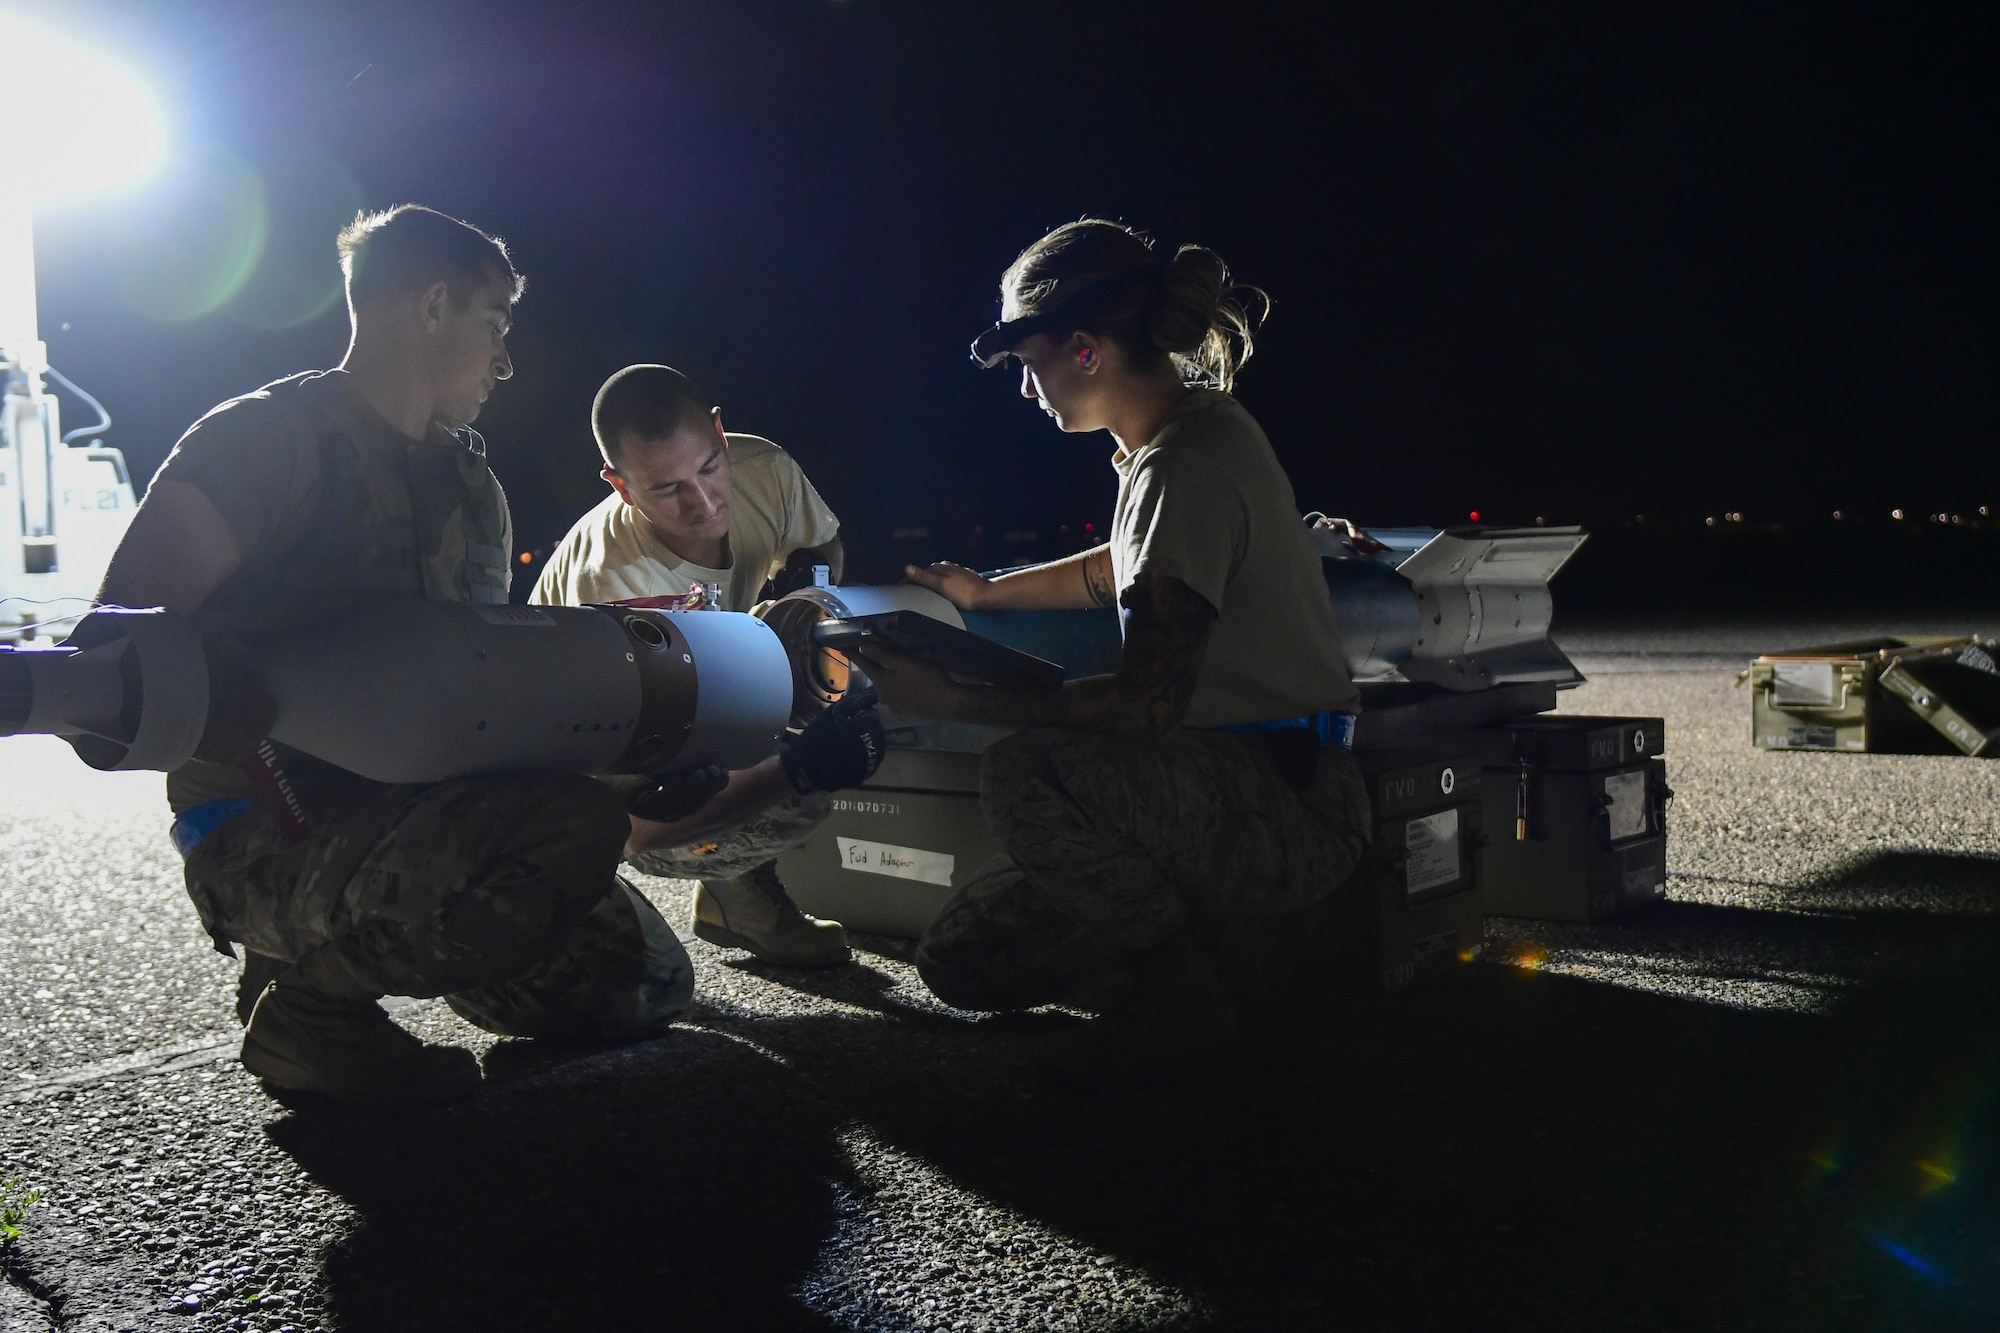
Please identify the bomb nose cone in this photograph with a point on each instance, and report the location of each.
(128, 690)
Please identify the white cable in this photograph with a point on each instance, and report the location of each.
(103, 417)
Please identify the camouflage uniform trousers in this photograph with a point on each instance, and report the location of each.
(1111, 846)
(500, 894)
(757, 841)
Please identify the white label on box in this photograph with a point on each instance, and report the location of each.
(1626, 793)
(881, 858)
(1808, 683)
(1432, 843)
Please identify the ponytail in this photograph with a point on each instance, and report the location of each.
(1203, 321)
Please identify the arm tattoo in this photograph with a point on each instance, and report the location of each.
(1097, 581)
(1166, 635)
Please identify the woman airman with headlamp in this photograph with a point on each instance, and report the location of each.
(1208, 778)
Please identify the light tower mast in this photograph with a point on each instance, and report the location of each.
(63, 504)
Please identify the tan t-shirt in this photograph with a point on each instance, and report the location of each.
(1206, 502)
(613, 553)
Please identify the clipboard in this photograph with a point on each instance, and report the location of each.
(962, 653)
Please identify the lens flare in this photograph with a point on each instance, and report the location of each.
(203, 239)
(310, 197)
(1911, 1260)
(1936, 1174)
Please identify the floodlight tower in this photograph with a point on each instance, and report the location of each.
(63, 505)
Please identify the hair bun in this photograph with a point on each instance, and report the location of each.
(1183, 306)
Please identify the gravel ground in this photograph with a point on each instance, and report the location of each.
(1768, 1103)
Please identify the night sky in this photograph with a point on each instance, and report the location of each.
(1578, 262)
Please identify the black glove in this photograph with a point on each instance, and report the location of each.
(797, 573)
(674, 795)
(842, 747)
(241, 712)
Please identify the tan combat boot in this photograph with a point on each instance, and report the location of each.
(308, 1033)
(259, 971)
(752, 911)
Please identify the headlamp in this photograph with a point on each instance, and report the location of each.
(990, 348)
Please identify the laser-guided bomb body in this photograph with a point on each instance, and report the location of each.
(1446, 633)
(419, 691)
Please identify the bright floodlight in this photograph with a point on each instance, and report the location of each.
(82, 122)
(73, 122)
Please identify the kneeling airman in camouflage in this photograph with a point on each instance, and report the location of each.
(695, 506)
(1208, 779)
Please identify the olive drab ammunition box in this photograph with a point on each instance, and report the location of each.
(1576, 815)
(1956, 690)
(892, 852)
(889, 856)
(1832, 698)
(1414, 907)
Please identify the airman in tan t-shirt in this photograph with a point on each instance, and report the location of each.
(613, 553)
(1206, 501)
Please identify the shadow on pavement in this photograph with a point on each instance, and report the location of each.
(1500, 1148)
(678, 1184)
(1968, 877)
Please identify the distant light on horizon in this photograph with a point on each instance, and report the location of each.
(91, 123)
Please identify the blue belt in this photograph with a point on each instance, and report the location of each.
(1335, 730)
(204, 819)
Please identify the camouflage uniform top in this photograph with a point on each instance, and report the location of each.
(332, 508)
